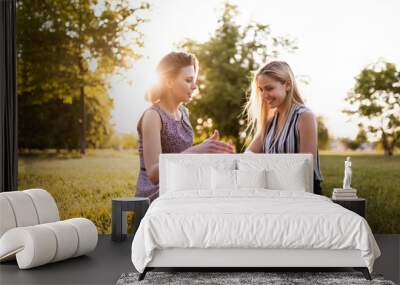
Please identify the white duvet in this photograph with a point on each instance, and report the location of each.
(253, 218)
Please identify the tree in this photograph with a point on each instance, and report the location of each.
(226, 62)
(65, 51)
(323, 134)
(375, 99)
(349, 143)
(361, 136)
(357, 143)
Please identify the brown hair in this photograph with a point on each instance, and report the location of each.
(168, 68)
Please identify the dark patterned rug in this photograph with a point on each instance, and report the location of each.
(230, 278)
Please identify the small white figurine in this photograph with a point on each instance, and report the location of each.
(347, 174)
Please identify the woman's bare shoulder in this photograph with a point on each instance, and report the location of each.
(307, 118)
(150, 120)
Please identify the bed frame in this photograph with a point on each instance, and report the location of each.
(246, 258)
(242, 259)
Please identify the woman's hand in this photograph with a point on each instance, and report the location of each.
(211, 145)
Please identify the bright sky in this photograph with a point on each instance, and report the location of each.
(336, 39)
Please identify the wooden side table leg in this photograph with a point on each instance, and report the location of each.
(116, 221)
(124, 225)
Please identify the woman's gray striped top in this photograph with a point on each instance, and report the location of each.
(288, 141)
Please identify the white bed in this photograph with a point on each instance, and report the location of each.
(247, 210)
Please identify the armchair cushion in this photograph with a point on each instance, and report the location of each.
(31, 233)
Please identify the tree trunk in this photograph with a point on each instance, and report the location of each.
(393, 144)
(83, 121)
(82, 87)
(388, 151)
(385, 143)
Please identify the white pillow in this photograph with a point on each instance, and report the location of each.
(282, 174)
(228, 179)
(183, 177)
(187, 174)
(251, 178)
(294, 180)
(223, 179)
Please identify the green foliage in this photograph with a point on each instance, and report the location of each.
(376, 102)
(98, 107)
(226, 62)
(350, 144)
(55, 123)
(123, 141)
(361, 136)
(360, 139)
(323, 134)
(65, 52)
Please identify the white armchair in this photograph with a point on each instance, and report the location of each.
(31, 230)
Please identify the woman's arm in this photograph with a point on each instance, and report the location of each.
(308, 133)
(255, 145)
(211, 145)
(151, 127)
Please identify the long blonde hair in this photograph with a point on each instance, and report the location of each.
(258, 112)
(168, 68)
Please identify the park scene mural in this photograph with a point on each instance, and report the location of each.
(84, 67)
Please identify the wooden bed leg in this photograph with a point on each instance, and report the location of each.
(364, 271)
(143, 274)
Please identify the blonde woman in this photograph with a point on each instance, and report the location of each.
(165, 126)
(281, 121)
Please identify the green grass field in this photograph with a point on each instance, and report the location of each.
(84, 187)
(377, 178)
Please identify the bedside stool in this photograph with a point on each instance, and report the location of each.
(120, 206)
(355, 205)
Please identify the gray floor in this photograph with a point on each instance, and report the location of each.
(103, 266)
(389, 262)
(110, 260)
